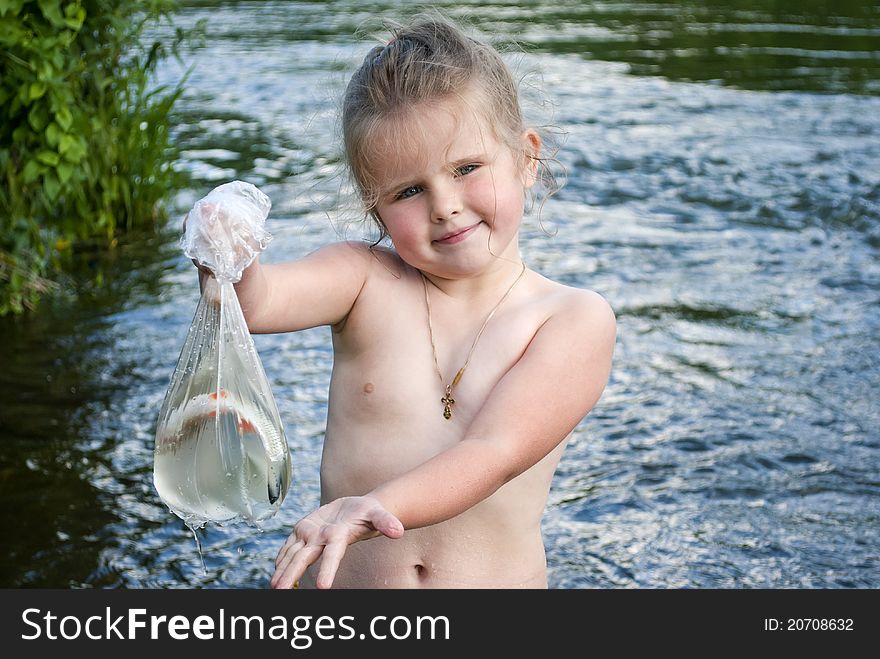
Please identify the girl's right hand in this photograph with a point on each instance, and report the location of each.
(203, 271)
(225, 230)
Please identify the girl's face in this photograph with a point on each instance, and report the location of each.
(450, 194)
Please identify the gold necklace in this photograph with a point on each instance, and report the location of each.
(447, 400)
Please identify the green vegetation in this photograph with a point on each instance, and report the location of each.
(85, 153)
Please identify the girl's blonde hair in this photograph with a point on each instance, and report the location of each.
(429, 61)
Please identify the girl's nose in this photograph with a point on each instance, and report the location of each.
(445, 202)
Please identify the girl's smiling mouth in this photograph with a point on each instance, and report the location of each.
(456, 236)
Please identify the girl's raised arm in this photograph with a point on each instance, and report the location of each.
(319, 289)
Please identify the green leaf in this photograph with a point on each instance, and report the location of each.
(51, 186)
(53, 134)
(38, 118)
(72, 148)
(65, 144)
(64, 118)
(37, 90)
(65, 171)
(48, 158)
(51, 10)
(20, 134)
(11, 6)
(74, 15)
(46, 70)
(32, 171)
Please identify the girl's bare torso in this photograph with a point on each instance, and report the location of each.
(385, 417)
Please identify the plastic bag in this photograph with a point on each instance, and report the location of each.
(221, 454)
(226, 229)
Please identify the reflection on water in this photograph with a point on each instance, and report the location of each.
(73, 447)
(729, 213)
(753, 44)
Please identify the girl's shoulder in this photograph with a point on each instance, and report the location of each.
(362, 258)
(373, 255)
(564, 297)
(579, 308)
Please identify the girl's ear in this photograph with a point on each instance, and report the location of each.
(532, 152)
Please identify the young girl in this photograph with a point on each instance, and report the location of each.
(458, 372)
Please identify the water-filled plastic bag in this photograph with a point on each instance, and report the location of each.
(221, 454)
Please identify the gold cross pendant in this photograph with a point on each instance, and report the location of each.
(448, 401)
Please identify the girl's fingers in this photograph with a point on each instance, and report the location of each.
(330, 560)
(288, 548)
(294, 564)
(388, 525)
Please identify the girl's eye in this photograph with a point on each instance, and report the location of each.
(464, 170)
(406, 193)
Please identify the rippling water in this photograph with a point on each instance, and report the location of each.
(723, 193)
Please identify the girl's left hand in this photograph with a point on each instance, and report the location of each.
(326, 534)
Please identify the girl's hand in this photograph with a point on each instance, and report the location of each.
(326, 534)
(204, 272)
(225, 230)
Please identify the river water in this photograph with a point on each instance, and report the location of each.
(723, 193)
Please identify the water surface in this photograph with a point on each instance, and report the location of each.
(722, 193)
